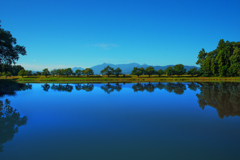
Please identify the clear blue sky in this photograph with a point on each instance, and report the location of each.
(84, 33)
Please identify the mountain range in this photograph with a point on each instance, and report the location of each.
(127, 68)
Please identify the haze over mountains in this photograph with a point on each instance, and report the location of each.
(127, 68)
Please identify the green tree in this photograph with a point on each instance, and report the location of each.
(107, 71)
(137, 71)
(39, 73)
(0, 74)
(9, 49)
(88, 71)
(179, 69)
(149, 71)
(117, 71)
(53, 72)
(169, 71)
(22, 72)
(234, 69)
(78, 72)
(160, 72)
(6, 74)
(193, 71)
(68, 71)
(224, 61)
(28, 73)
(59, 72)
(45, 72)
(14, 69)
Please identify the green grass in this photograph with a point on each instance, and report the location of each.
(143, 78)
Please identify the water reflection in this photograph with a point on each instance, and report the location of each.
(46, 87)
(60, 87)
(177, 88)
(225, 97)
(10, 121)
(86, 87)
(10, 88)
(108, 88)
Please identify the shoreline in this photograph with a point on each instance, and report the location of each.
(129, 79)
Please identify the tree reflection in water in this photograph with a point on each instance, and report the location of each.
(225, 97)
(46, 87)
(86, 87)
(10, 120)
(10, 88)
(177, 88)
(111, 87)
(60, 87)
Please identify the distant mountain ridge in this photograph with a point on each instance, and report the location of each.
(127, 68)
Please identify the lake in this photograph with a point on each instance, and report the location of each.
(117, 121)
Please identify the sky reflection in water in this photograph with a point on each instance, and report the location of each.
(121, 121)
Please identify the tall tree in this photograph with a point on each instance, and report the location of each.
(179, 69)
(22, 72)
(117, 71)
(160, 72)
(149, 71)
(53, 72)
(6, 74)
(193, 71)
(78, 72)
(88, 71)
(45, 72)
(169, 71)
(107, 71)
(39, 73)
(28, 73)
(68, 71)
(137, 71)
(58, 72)
(9, 49)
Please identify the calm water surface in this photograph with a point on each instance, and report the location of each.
(146, 121)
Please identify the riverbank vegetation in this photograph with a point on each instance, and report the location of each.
(224, 61)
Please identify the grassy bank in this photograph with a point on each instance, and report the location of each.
(144, 78)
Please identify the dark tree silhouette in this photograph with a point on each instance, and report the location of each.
(86, 87)
(10, 121)
(46, 87)
(108, 88)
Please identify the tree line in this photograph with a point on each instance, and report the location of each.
(176, 70)
(224, 61)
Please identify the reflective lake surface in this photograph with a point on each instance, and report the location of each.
(144, 121)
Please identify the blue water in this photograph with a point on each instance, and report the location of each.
(125, 121)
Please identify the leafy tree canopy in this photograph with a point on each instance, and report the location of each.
(117, 71)
(179, 69)
(108, 71)
(9, 49)
(160, 72)
(169, 71)
(149, 70)
(78, 72)
(45, 72)
(137, 71)
(88, 71)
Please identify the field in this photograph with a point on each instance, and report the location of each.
(130, 78)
